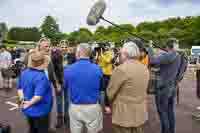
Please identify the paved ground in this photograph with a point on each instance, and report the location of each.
(185, 123)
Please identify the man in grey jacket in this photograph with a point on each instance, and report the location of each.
(169, 63)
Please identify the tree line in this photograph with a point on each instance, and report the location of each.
(186, 30)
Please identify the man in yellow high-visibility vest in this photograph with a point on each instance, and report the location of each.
(105, 62)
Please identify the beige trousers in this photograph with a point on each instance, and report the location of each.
(119, 129)
(88, 116)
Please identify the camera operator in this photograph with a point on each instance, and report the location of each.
(169, 63)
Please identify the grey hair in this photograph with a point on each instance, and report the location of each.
(84, 47)
(132, 50)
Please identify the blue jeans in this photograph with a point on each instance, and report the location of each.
(165, 102)
(60, 102)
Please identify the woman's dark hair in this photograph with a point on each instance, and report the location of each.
(57, 62)
(144, 50)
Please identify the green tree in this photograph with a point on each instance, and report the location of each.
(83, 35)
(3, 30)
(50, 29)
(148, 26)
(100, 34)
(147, 35)
(24, 34)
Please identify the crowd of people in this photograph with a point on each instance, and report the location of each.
(78, 76)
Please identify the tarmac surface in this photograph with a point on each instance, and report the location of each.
(184, 124)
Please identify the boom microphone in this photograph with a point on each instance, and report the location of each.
(96, 12)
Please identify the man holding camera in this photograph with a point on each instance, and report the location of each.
(166, 88)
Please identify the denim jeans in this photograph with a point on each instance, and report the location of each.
(62, 100)
(165, 102)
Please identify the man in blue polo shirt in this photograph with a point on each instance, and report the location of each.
(34, 89)
(83, 80)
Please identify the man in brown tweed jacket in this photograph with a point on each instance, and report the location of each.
(127, 92)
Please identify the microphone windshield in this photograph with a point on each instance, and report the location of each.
(96, 12)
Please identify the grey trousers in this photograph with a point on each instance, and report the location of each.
(85, 116)
(119, 129)
(6, 82)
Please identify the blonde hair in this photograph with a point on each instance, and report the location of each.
(44, 39)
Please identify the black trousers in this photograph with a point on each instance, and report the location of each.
(198, 83)
(106, 79)
(38, 124)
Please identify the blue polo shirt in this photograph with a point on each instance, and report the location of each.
(35, 83)
(83, 79)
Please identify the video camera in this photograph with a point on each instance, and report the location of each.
(97, 49)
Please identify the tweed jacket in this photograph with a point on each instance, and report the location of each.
(127, 92)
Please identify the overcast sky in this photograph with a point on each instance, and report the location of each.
(71, 14)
